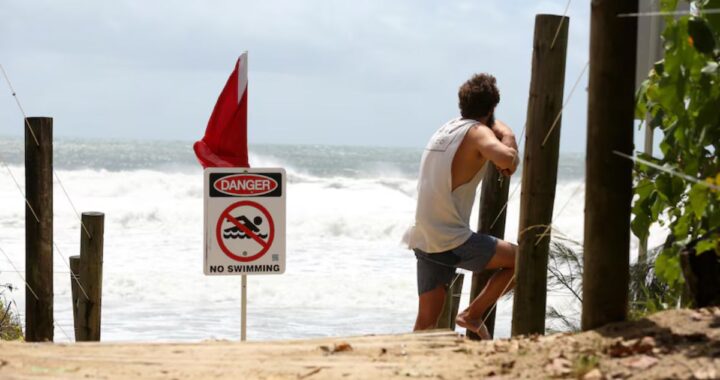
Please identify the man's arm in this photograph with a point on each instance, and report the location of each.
(504, 134)
(503, 156)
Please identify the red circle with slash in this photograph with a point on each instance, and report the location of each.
(265, 245)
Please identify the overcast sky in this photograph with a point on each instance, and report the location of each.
(320, 72)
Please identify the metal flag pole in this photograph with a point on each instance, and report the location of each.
(243, 310)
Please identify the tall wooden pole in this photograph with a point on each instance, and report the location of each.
(542, 149)
(91, 258)
(39, 324)
(608, 189)
(493, 212)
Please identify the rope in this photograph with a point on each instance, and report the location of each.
(31, 291)
(63, 331)
(57, 248)
(21, 276)
(567, 6)
(572, 90)
(517, 186)
(73, 275)
(457, 275)
(72, 205)
(667, 170)
(487, 313)
(17, 100)
(676, 13)
(549, 226)
(32, 132)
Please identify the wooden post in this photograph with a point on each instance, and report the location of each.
(608, 189)
(39, 323)
(75, 290)
(542, 149)
(493, 211)
(452, 304)
(91, 259)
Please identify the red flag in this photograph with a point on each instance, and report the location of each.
(225, 140)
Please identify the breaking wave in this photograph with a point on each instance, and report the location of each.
(347, 272)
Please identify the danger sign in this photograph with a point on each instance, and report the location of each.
(244, 221)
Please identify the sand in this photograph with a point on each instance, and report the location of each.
(680, 344)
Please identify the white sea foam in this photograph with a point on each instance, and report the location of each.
(346, 271)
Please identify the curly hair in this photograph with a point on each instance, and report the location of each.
(478, 96)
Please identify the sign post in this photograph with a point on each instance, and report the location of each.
(244, 225)
(243, 309)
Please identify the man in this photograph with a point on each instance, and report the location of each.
(452, 166)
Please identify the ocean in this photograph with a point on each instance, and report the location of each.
(347, 272)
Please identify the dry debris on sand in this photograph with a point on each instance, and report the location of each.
(680, 344)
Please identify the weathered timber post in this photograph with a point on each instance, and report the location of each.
(542, 149)
(89, 302)
(39, 323)
(608, 183)
(75, 289)
(452, 303)
(493, 211)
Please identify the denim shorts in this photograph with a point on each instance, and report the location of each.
(434, 269)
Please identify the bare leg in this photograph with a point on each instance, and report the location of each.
(504, 259)
(429, 308)
(490, 294)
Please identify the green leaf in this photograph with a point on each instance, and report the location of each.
(658, 205)
(709, 114)
(681, 228)
(714, 217)
(681, 96)
(678, 186)
(698, 199)
(667, 266)
(669, 94)
(640, 226)
(644, 187)
(705, 245)
(665, 187)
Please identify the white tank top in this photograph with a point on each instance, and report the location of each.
(442, 217)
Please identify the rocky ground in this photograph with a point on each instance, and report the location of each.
(679, 344)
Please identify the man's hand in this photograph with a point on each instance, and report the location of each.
(509, 172)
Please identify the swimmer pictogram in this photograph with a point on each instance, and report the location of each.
(245, 231)
(236, 233)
